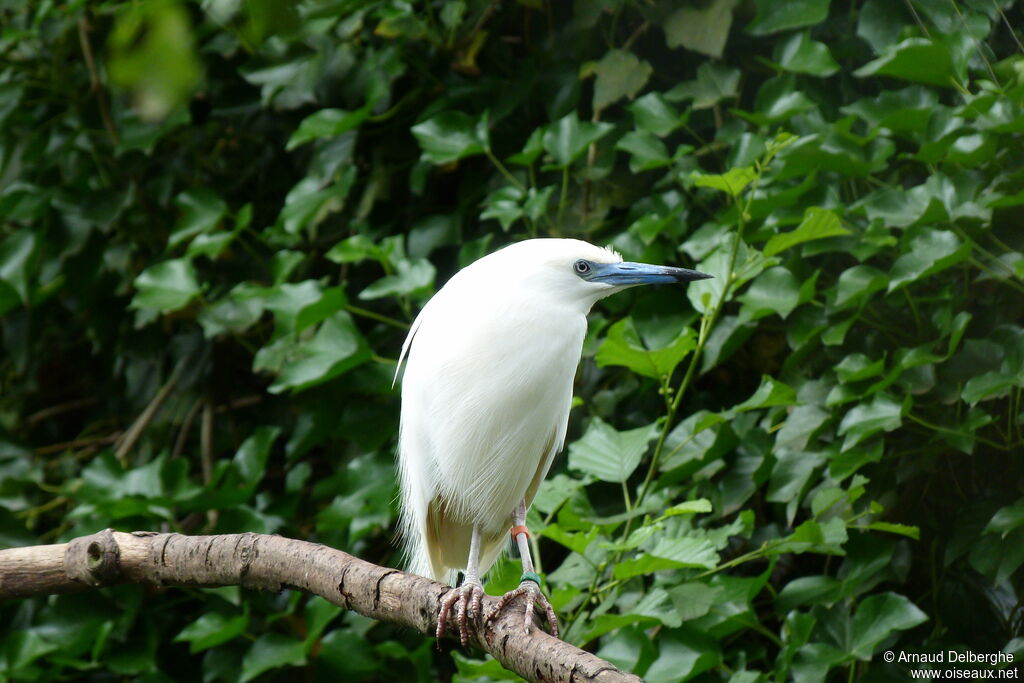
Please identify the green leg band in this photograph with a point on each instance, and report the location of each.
(530, 576)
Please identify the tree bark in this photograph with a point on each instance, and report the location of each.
(272, 563)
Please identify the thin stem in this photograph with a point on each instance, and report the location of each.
(564, 195)
(504, 171)
(956, 432)
(373, 315)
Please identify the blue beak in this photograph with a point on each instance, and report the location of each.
(628, 273)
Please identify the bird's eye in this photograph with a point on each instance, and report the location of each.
(581, 267)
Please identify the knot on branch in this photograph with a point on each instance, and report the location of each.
(94, 560)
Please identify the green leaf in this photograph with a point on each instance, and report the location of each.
(683, 654)
(620, 74)
(825, 538)
(577, 542)
(623, 346)
(450, 136)
(166, 286)
(877, 617)
(703, 28)
(921, 60)
(272, 651)
(236, 312)
(210, 245)
(770, 393)
(608, 454)
(326, 123)
(201, 211)
(504, 205)
(808, 590)
(693, 600)
(858, 283)
(900, 529)
(653, 114)
(251, 459)
(153, 55)
(670, 553)
(335, 348)
(566, 139)
(309, 202)
(879, 23)
(714, 83)
(354, 249)
(733, 182)
(773, 16)
(818, 223)
(988, 385)
(906, 110)
(412, 278)
(212, 629)
(1006, 520)
(800, 54)
(690, 507)
(646, 151)
(857, 366)
(773, 291)
(301, 305)
(931, 251)
(17, 256)
(881, 413)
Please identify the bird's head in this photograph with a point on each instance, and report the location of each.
(571, 270)
(576, 270)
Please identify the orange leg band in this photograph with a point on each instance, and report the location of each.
(521, 529)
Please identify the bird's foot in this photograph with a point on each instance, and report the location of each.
(529, 588)
(467, 597)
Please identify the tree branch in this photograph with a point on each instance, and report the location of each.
(273, 563)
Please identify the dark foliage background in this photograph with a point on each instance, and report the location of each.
(218, 218)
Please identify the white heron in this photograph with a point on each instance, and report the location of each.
(489, 367)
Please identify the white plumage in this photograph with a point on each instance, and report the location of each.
(489, 368)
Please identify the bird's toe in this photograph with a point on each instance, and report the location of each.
(466, 601)
(533, 596)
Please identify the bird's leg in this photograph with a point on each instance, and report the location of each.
(529, 584)
(468, 595)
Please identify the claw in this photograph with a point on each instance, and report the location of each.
(531, 591)
(468, 596)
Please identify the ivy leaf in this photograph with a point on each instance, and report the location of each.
(773, 291)
(300, 305)
(272, 651)
(452, 135)
(412, 277)
(703, 29)
(167, 286)
(17, 255)
(201, 211)
(212, 629)
(504, 205)
(773, 16)
(818, 223)
(732, 182)
(302, 363)
(930, 252)
(566, 139)
(800, 54)
(620, 74)
(608, 454)
(646, 151)
(652, 113)
(877, 617)
(623, 346)
(326, 123)
(882, 413)
(770, 393)
(921, 60)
